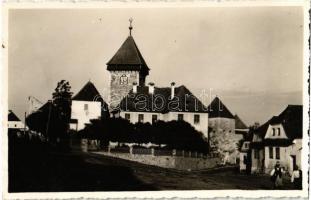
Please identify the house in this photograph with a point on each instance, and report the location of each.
(87, 104)
(279, 139)
(15, 126)
(246, 153)
(14, 122)
(150, 103)
(132, 99)
(223, 135)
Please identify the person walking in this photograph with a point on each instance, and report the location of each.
(296, 178)
(276, 176)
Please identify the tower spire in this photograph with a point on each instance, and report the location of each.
(130, 27)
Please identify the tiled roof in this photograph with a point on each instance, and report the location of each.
(12, 116)
(261, 130)
(128, 57)
(239, 124)
(160, 101)
(290, 118)
(218, 109)
(87, 93)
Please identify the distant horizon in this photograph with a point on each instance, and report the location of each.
(256, 70)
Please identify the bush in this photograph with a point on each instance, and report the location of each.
(175, 134)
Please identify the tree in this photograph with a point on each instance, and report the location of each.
(175, 134)
(62, 102)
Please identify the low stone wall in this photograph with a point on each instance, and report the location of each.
(180, 163)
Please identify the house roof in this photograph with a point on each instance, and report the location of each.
(87, 93)
(218, 109)
(261, 130)
(12, 116)
(160, 101)
(128, 57)
(248, 136)
(291, 120)
(239, 124)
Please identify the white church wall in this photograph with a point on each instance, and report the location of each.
(202, 126)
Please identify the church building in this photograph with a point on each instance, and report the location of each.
(133, 100)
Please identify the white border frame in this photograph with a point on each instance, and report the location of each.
(153, 194)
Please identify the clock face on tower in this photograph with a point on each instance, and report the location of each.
(123, 80)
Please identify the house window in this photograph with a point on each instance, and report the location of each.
(277, 153)
(271, 152)
(256, 154)
(127, 116)
(196, 119)
(246, 145)
(86, 107)
(279, 131)
(180, 117)
(141, 118)
(154, 118)
(273, 132)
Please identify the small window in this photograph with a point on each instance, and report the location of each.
(127, 116)
(86, 107)
(141, 118)
(256, 154)
(279, 131)
(180, 117)
(273, 132)
(271, 152)
(154, 118)
(277, 153)
(196, 119)
(246, 145)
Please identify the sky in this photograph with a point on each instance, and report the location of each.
(250, 57)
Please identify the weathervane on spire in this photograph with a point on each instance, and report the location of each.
(131, 20)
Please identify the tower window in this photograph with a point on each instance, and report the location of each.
(279, 131)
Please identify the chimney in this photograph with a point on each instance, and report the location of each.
(172, 90)
(134, 87)
(151, 88)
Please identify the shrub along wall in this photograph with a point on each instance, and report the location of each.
(178, 135)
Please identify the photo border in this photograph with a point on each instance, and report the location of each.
(167, 193)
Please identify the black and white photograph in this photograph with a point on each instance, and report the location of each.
(208, 99)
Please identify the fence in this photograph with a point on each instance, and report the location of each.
(120, 150)
(156, 152)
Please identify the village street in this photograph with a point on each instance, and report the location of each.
(77, 171)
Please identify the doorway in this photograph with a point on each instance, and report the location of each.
(294, 162)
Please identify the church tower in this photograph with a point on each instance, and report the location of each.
(126, 67)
